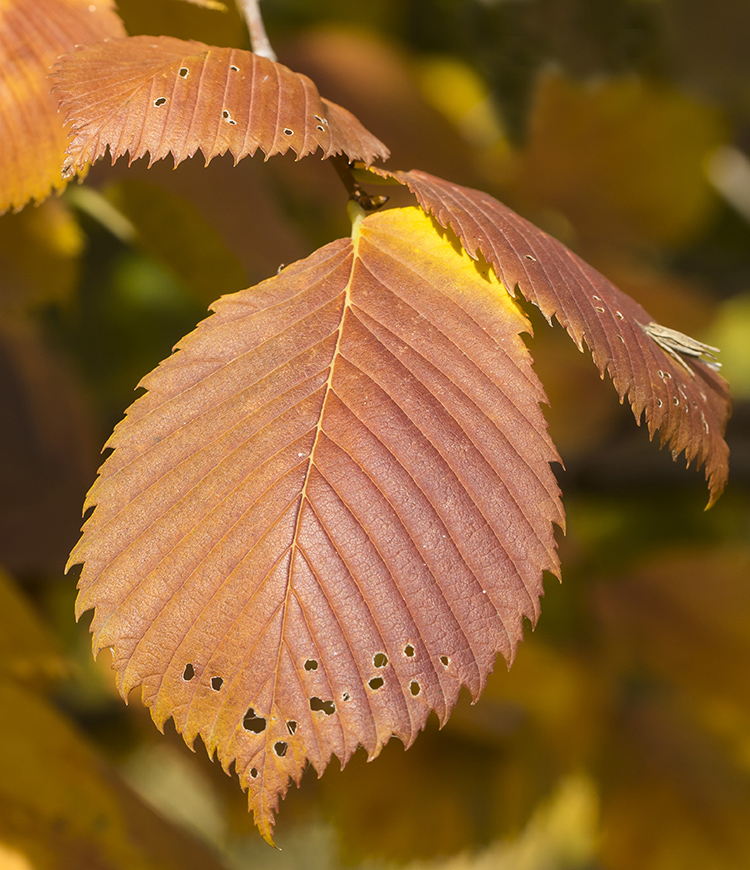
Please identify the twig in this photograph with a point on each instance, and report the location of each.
(356, 193)
(258, 36)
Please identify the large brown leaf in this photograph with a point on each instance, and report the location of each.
(331, 509)
(661, 372)
(167, 96)
(32, 36)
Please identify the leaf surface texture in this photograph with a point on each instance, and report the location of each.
(32, 36)
(330, 510)
(168, 96)
(680, 394)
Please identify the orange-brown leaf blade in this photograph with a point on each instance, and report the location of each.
(32, 36)
(331, 509)
(663, 374)
(161, 96)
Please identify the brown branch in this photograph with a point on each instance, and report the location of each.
(259, 41)
(367, 201)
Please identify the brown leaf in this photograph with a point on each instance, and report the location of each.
(682, 398)
(32, 36)
(163, 95)
(331, 509)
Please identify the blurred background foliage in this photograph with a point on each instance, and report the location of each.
(621, 737)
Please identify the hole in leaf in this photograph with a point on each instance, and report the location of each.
(530, 257)
(444, 661)
(288, 131)
(376, 683)
(346, 696)
(328, 707)
(254, 772)
(217, 683)
(311, 665)
(161, 101)
(409, 650)
(380, 660)
(228, 118)
(280, 748)
(291, 726)
(414, 688)
(184, 72)
(234, 68)
(320, 120)
(321, 128)
(188, 673)
(253, 722)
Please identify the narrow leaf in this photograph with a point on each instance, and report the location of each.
(32, 36)
(665, 375)
(167, 96)
(331, 509)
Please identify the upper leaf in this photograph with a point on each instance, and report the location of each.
(661, 371)
(331, 509)
(167, 96)
(32, 36)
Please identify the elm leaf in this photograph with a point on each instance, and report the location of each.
(162, 95)
(330, 510)
(669, 377)
(32, 37)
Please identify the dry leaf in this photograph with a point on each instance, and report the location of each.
(32, 36)
(163, 96)
(685, 399)
(331, 509)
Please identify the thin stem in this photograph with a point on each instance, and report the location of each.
(258, 36)
(355, 191)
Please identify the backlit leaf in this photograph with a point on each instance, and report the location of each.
(167, 96)
(32, 36)
(331, 509)
(664, 376)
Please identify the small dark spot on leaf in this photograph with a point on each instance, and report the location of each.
(444, 661)
(311, 665)
(380, 660)
(414, 688)
(253, 722)
(188, 673)
(217, 683)
(328, 707)
(409, 650)
(291, 726)
(280, 748)
(254, 772)
(376, 683)
(160, 101)
(184, 72)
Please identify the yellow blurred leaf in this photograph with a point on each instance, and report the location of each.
(621, 158)
(62, 808)
(39, 256)
(27, 647)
